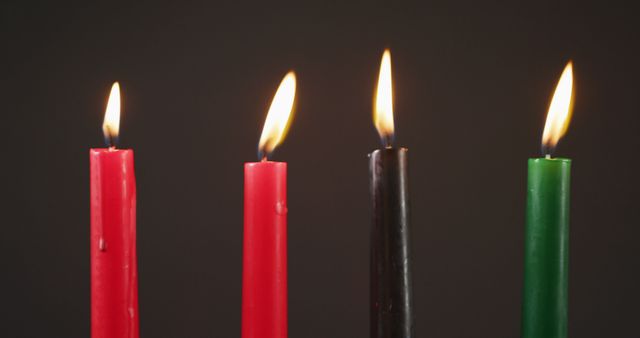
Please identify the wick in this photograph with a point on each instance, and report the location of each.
(264, 158)
(388, 141)
(547, 150)
(110, 140)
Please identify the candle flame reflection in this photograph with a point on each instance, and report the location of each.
(279, 116)
(111, 124)
(560, 110)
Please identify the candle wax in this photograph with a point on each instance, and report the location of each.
(114, 276)
(546, 261)
(264, 278)
(391, 302)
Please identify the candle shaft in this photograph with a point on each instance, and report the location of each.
(264, 278)
(546, 261)
(114, 276)
(391, 308)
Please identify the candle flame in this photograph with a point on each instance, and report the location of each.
(111, 124)
(560, 109)
(383, 111)
(279, 116)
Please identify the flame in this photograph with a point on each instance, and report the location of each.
(383, 112)
(279, 115)
(111, 124)
(559, 114)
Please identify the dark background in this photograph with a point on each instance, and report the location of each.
(472, 85)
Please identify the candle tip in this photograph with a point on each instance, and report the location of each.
(387, 140)
(110, 138)
(547, 150)
(262, 155)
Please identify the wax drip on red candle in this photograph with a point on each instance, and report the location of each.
(102, 244)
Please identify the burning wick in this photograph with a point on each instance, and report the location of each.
(109, 139)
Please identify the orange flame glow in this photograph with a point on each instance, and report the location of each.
(279, 116)
(560, 110)
(383, 111)
(111, 124)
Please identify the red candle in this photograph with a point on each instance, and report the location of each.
(264, 282)
(114, 279)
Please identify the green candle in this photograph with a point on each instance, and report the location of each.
(546, 259)
(546, 265)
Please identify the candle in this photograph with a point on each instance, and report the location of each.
(546, 261)
(264, 274)
(391, 309)
(114, 281)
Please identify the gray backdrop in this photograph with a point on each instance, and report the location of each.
(472, 84)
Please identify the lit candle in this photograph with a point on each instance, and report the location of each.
(264, 275)
(391, 309)
(546, 263)
(114, 280)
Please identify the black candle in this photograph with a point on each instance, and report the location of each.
(391, 309)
